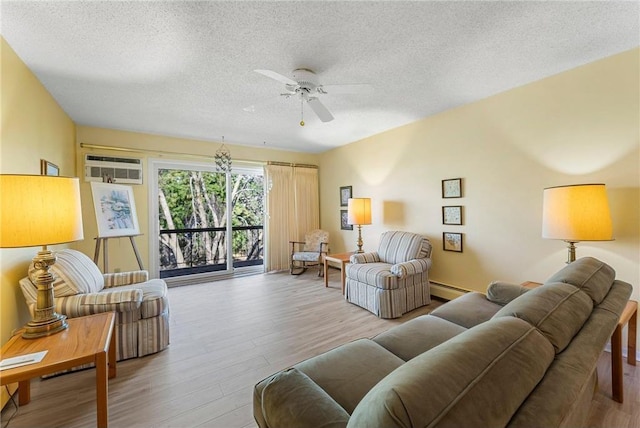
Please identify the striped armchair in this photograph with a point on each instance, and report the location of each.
(141, 305)
(395, 279)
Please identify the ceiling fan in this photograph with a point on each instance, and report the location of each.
(305, 86)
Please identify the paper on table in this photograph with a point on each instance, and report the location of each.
(22, 360)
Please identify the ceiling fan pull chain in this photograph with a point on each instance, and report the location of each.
(301, 111)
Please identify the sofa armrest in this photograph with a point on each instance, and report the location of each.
(125, 278)
(411, 267)
(371, 257)
(93, 303)
(503, 292)
(292, 399)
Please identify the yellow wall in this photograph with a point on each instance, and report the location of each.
(33, 127)
(581, 126)
(120, 253)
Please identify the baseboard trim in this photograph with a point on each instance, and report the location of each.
(446, 291)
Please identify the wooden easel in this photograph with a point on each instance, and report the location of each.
(105, 251)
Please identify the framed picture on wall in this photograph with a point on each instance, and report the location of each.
(344, 220)
(452, 242)
(345, 195)
(115, 210)
(452, 188)
(452, 215)
(47, 168)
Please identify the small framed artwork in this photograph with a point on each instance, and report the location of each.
(115, 210)
(344, 221)
(452, 241)
(452, 215)
(452, 188)
(345, 195)
(47, 168)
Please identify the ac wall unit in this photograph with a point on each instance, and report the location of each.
(121, 170)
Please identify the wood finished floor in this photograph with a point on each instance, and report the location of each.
(228, 335)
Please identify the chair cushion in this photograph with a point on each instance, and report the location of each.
(374, 274)
(154, 296)
(306, 256)
(314, 239)
(396, 246)
(74, 273)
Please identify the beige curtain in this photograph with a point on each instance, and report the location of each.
(293, 208)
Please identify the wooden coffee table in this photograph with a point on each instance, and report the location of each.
(342, 259)
(90, 339)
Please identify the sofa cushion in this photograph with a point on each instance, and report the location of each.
(503, 292)
(468, 378)
(590, 275)
(418, 335)
(348, 372)
(468, 310)
(558, 310)
(290, 398)
(74, 273)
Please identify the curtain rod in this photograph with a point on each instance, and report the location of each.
(163, 152)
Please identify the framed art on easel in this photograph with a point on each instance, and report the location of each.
(115, 210)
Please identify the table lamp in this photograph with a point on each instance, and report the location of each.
(40, 210)
(359, 213)
(576, 213)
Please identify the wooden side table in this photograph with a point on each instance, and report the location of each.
(629, 317)
(90, 339)
(342, 259)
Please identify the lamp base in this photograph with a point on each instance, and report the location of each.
(359, 243)
(571, 251)
(45, 321)
(34, 329)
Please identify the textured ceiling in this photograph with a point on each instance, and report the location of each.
(185, 69)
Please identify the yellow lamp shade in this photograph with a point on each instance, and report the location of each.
(576, 213)
(39, 210)
(359, 211)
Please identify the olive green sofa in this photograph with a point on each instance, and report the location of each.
(513, 357)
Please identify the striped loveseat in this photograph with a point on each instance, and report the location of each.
(393, 280)
(141, 305)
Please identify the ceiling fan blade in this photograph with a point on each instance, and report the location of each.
(363, 88)
(277, 76)
(323, 113)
